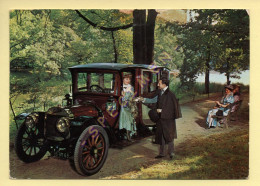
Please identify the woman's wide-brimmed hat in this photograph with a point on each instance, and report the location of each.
(230, 87)
(128, 75)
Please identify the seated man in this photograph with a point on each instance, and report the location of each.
(237, 98)
(236, 95)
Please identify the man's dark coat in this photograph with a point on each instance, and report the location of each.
(166, 125)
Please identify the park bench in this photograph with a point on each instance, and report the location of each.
(232, 116)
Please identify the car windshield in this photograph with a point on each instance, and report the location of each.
(95, 82)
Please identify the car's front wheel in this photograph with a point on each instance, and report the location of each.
(30, 144)
(91, 150)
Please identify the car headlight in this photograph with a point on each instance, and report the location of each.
(63, 124)
(31, 120)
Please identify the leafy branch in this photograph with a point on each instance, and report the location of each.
(102, 27)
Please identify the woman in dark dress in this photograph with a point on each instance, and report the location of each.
(237, 97)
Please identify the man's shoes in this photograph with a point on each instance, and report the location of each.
(159, 156)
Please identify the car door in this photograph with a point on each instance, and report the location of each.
(149, 81)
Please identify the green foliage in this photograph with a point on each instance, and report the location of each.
(166, 48)
(124, 42)
(234, 55)
(44, 43)
(214, 87)
(93, 44)
(185, 94)
(213, 40)
(55, 39)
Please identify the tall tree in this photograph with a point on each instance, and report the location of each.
(150, 28)
(139, 36)
(232, 28)
(143, 34)
(112, 26)
(218, 39)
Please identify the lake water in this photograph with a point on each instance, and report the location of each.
(221, 78)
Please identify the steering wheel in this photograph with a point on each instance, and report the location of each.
(82, 88)
(96, 88)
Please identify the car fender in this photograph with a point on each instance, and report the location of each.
(40, 122)
(21, 116)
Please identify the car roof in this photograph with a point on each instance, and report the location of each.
(115, 66)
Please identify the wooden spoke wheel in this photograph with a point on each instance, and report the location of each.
(30, 144)
(91, 150)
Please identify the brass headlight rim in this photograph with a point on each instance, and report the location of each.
(65, 127)
(27, 122)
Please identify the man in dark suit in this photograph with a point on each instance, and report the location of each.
(167, 110)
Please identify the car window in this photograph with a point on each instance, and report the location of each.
(149, 81)
(82, 81)
(95, 82)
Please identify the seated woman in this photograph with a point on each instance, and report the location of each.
(222, 105)
(126, 119)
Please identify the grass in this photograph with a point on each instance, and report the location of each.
(197, 92)
(220, 156)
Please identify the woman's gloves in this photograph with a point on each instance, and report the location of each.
(138, 99)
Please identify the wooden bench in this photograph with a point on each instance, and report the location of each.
(230, 115)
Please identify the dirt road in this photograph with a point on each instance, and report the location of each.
(121, 161)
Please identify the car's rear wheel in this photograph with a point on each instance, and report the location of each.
(91, 150)
(30, 144)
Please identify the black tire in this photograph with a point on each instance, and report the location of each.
(91, 150)
(30, 144)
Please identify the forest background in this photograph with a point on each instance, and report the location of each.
(44, 43)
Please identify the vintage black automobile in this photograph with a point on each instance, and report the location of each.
(86, 124)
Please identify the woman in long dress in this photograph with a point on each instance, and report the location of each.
(222, 105)
(126, 119)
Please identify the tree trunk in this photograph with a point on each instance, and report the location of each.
(228, 73)
(143, 34)
(228, 76)
(150, 35)
(11, 106)
(114, 46)
(139, 36)
(207, 74)
(207, 80)
(209, 21)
